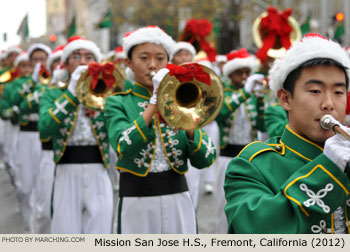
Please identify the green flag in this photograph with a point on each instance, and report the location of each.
(305, 26)
(106, 21)
(23, 29)
(339, 31)
(72, 28)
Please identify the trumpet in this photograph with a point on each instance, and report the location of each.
(328, 122)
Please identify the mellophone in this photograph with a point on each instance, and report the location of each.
(328, 122)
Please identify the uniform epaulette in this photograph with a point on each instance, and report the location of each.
(123, 93)
(255, 148)
(275, 104)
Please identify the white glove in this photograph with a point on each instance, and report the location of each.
(250, 83)
(156, 81)
(35, 74)
(337, 149)
(72, 86)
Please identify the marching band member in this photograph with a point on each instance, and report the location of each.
(297, 183)
(28, 161)
(10, 113)
(44, 176)
(82, 195)
(183, 52)
(152, 157)
(240, 117)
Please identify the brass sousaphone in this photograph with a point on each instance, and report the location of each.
(94, 98)
(192, 104)
(278, 50)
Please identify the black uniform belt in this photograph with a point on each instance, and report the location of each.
(31, 126)
(154, 184)
(231, 150)
(81, 155)
(47, 145)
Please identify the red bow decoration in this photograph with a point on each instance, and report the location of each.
(14, 74)
(276, 25)
(107, 70)
(189, 72)
(43, 72)
(200, 29)
(90, 113)
(241, 53)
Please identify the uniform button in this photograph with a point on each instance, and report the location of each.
(278, 148)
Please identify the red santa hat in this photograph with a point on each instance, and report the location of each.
(239, 59)
(148, 34)
(312, 46)
(119, 53)
(39, 46)
(13, 49)
(23, 56)
(76, 43)
(56, 54)
(182, 45)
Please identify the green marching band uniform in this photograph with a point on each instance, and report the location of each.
(286, 178)
(275, 119)
(254, 108)
(55, 122)
(131, 136)
(14, 95)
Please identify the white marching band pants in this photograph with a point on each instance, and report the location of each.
(82, 199)
(170, 214)
(28, 154)
(221, 224)
(43, 192)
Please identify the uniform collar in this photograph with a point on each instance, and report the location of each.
(141, 91)
(300, 145)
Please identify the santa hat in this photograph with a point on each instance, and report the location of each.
(220, 58)
(23, 56)
(239, 59)
(312, 46)
(76, 43)
(39, 46)
(183, 46)
(15, 49)
(148, 34)
(56, 54)
(119, 53)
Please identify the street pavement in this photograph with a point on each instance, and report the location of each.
(11, 221)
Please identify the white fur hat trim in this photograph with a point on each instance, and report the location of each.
(237, 63)
(81, 44)
(40, 46)
(308, 48)
(20, 58)
(52, 57)
(149, 34)
(182, 45)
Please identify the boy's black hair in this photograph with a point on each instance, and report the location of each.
(293, 76)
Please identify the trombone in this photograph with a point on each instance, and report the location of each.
(328, 122)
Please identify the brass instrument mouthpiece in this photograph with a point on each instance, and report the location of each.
(327, 122)
(153, 73)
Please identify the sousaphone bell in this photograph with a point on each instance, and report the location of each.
(190, 104)
(277, 50)
(98, 82)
